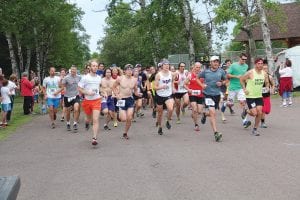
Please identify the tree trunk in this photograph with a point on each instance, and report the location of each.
(28, 59)
(188, 24)
(252, 48)
(20, 55)
(12, 54)
(37, 53)
(266, 35)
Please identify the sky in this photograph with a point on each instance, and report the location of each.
(94, 22)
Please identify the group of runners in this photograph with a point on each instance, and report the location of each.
(119, 96)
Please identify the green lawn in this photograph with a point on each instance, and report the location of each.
(17, 118)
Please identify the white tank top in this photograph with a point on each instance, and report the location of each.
(165, 80)
(181, 79)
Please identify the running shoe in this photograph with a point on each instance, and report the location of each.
(183, 110)
(75, 127)
(218, 136)
(62, 119)
(255, 132)
(94, 141)
(203, 118)
(125, 136)
(231, 111)
(160, 132)
(246, 124)
(153, 114)
(115, 124)
(178, 121)
(52, 125)
(244, 113)
(168, 125)
(106, 127)
(223, 119)
(68, 127)
(197, 127)
(87, 126)
(263, 125)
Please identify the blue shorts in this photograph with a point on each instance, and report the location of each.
(129, 103)
(53, 102)
(108, 104)
(6, 107)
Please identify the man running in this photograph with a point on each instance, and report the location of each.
(235, 71)
(255, 79)
(52, 88)
(71, 97)
(214, 78)
(108, 105)
(180, 90)
(164, 86)
(89, 85)
(127, 84)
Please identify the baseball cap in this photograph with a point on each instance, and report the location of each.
(214, 58)
(128, 66)
(138, 65)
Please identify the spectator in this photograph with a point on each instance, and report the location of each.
(5, 102)
(26, 92)
(12, 85)
(286, 83)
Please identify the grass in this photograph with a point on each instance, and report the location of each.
(17, 118)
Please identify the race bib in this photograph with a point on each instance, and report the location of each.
(196, 92)
(121, 103)
(253, 105)
(96, 91)
(71, 98)
(265, 90)
(209, 102)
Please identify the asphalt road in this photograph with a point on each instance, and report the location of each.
(181, 164)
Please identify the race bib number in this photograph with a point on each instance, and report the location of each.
(265, 90)
(209, 102)
(196, 92)
(121, 103)
(96, 91)
(71, 98)
(253, 105)
(103, 100)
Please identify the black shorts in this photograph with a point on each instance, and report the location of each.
(216, 100)
(179, 95)
(71, 101)
(161, 100)
(198, 100)
(136, 97)
(253, 102)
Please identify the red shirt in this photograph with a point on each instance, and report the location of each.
(26, 87)
(194, 85)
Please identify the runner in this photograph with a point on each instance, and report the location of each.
(62, 104)
(180, 91)
(71, 97)
(108, 105)
(127, 84)
(164, 86)
(235, 71)
(89, 85)
(214, 78)
(151, 90)
(255, 79)
(266, 93)
(138, 100)
(52, 88)
(195, 91)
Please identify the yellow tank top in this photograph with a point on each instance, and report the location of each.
(254, 86)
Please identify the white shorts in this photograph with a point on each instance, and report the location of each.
(239, 94)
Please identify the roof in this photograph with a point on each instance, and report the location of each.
(292, 10)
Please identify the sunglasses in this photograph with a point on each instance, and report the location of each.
(244, 58)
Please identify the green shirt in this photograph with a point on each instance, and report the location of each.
(254, 86)
(236, 69)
